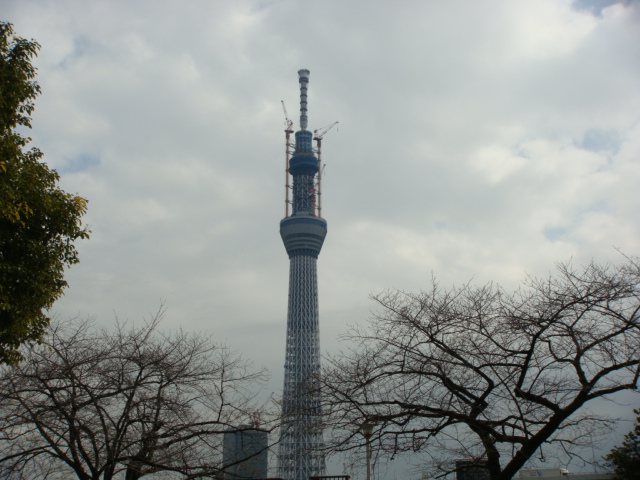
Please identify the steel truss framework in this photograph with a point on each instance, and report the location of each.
(301, 441)
(304, 194)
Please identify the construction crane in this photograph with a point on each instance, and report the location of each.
(288, 123)
(321, 132)
(287, 131)
(317, 136)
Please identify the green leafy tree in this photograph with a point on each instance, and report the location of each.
(625, 459)
(38, 221)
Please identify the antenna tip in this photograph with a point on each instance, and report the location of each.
(304, 74)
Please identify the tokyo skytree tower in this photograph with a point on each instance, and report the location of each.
(303, 232)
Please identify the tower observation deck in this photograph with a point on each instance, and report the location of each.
(303, 234)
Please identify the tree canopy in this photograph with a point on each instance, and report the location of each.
(38, 221)
(487, 376)
(625, 459)
(126, 402)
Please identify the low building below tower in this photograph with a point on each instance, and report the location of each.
(245, 453)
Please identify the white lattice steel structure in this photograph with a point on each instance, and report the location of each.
(303, 234)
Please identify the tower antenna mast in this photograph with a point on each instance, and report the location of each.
(304, 80)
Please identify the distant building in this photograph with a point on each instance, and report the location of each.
(245, 453)
(470, 469)
(545, 473)
(560, 474)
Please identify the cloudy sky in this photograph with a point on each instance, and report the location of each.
(480, 140)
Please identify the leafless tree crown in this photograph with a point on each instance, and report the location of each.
(478, 373)
(125, 403)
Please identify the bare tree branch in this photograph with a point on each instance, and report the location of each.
(483, 374)
(98, 403)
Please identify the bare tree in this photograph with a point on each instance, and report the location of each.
(125, 402)
(487, 376)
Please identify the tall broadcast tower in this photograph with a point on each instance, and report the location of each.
(303, 233)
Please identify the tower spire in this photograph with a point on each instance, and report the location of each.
(303, 78)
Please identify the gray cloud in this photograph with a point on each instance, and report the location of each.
(476, 140)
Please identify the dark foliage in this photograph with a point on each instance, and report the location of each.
(38, 221)
(625, 459)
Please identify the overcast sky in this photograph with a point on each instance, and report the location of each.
(482, 140)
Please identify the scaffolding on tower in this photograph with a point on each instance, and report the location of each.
(317, 136)
(287, 149)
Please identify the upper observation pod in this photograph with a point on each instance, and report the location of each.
(303, 172)
(303, 232)
(303, 75)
